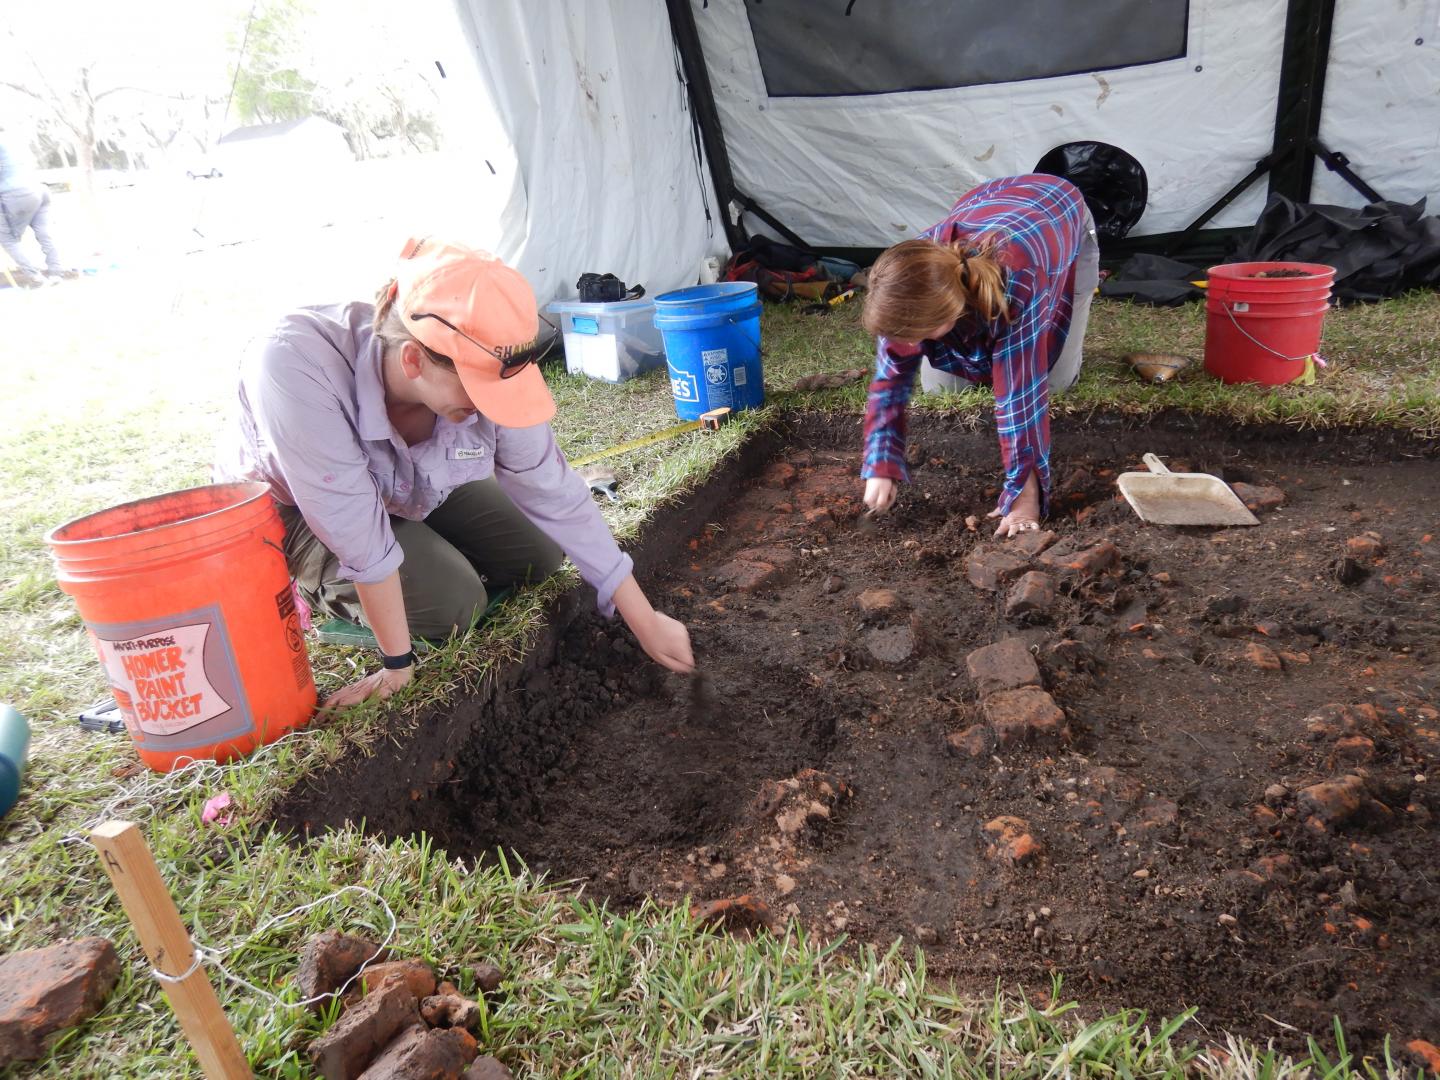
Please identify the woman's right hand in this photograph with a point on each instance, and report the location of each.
(378, 684)
(879, 494)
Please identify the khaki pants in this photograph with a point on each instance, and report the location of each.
(1066, 368)
(476, 540)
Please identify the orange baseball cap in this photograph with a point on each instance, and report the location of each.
(469, 306)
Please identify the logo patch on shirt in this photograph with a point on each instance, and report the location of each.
(467, 453)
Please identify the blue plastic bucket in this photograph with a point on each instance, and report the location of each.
(712, 346)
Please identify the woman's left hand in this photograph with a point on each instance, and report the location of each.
(1024, 514)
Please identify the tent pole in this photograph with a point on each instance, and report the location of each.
(707, 116)
(1306, 54)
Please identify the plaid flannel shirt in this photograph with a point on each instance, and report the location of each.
(1040, 224)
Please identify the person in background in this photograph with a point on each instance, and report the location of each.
(996, 294)
(408, 445)
(25, 204)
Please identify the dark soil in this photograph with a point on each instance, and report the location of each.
(1165, 848)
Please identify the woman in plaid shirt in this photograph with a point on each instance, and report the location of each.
(997, 294)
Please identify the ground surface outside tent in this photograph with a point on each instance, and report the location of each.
(1157, 846)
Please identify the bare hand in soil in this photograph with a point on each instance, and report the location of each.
(667, 642)
(879, 495)
(378, 684)
(1024, 514)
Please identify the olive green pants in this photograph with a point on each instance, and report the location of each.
(476, 542)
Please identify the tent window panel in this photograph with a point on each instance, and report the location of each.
(812, 48)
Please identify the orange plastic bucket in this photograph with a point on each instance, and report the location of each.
(189, 605)
(1261, 328)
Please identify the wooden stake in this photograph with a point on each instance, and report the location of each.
(142, 891)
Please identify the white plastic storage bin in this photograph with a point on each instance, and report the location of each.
(613, 342)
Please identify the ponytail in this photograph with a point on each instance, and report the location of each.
(390, 328)
(918, 286)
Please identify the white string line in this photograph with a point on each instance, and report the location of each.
(215, 957)
(194, 775)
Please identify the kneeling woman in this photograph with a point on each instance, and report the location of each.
(999, 294)
(408, 446)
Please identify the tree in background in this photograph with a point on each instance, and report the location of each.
(343, 60)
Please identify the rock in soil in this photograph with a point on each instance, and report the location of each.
(423, 1053)
(416, 975)
(488, 1068)
(330, 959)
(43, 991)
(745, 912)
(450, 1010)
(1013, 841)
(488, 977)
(874, 602)
(890, 646)
(1033, 594)
(363, 1030)
(1333, 801)
(1006, 665)
(976, 741)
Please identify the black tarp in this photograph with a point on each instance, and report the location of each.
(1378, 250)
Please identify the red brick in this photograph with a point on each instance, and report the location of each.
(878, 601)
(1275, 867)
(488, 1068)
(43, 991)
(975, 741)
(422, 1053)
(1427, 1053)
(450, 1010)
(329, 959)
(1031, 543)
(1005, 665)
(991, 568)
(1033, 593)
(363, 1030)
(1158, 814)
(1025, 714)
(779, 475)
(1367, 545)
(1263, 657)
(735, 913)
(756, 568)
(1333, 801)
(1089, 562)
(1354, 749)
(415, 975)
(1259, 497)
(1013, 841)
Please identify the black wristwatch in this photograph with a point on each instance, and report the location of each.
(398, 663)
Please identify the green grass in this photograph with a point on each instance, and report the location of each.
(119, 393)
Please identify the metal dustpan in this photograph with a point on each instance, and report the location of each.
(1162, 497)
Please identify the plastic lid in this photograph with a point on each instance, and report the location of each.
(578, 307)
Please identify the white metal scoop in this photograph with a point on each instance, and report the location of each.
(1162, 497)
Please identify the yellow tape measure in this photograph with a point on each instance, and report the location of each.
(710, 421)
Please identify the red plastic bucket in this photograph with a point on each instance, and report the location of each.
(189, 605)
(1263, 329)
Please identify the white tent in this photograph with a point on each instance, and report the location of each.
(855, 123)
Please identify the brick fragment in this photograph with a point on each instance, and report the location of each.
(422, 1053)
(1005, 665)
(1263, 657)
(1088, 562)
(363, 1030)
(1259, 497)
(1368, 545)
(1025, 715)
(329, 959)
(874, 602)
(976, 741)
(1013, 841)
(1034, 593)
(1031, 543)
(992, 568)
(415, 975)
(44, 991)
(1333, 801)
(745, 912)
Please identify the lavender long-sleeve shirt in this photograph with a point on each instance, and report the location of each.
(312, 424)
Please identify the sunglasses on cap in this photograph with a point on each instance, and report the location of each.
(510, 363)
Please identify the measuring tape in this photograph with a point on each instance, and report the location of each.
(710, 421)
